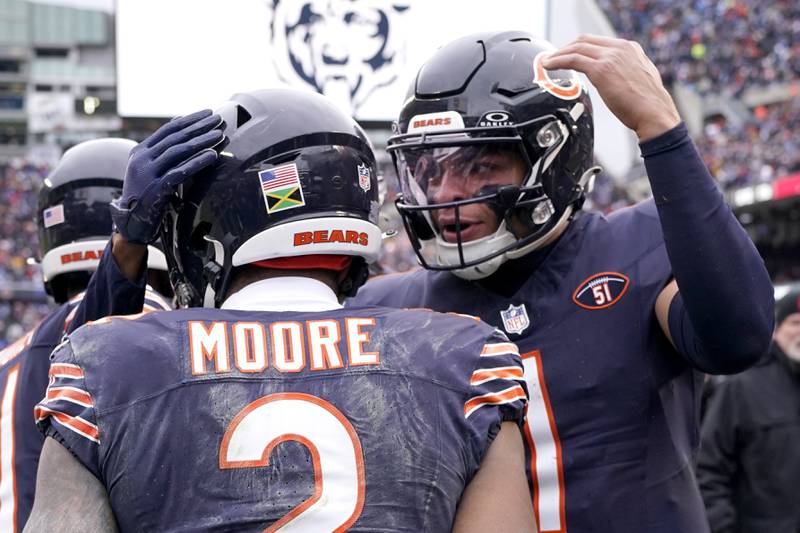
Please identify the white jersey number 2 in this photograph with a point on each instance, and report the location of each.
(541, 436)
(332, 442)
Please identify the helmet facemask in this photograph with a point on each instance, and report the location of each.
(492, 88)
(477, 161)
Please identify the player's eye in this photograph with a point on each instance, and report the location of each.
(484, 167)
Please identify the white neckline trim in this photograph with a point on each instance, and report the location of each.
(290, 293)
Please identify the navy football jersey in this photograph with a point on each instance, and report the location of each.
(24, 367)
(612, 419)
(16, 487)
(110, 293)
(221, 420)
(23, 380)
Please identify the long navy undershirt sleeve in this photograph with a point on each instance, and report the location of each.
(722, 319)
(109, 293)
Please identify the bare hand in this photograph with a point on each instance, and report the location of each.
(628, 82)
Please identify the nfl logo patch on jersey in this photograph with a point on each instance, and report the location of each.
(364, 178)
(601, 290)
(515, 318)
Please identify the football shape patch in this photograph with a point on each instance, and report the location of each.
(601, 290)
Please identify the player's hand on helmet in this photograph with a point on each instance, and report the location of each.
(174, 153)
(628, 82)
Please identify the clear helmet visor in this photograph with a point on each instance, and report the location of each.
(472, 199)
(461, 187)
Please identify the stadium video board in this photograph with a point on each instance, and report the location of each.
(176, 56)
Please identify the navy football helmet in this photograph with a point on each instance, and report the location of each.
(295, 177)
(481, 98)
(73, 219)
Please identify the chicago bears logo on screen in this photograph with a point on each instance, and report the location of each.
(344, 50)
(601, 290)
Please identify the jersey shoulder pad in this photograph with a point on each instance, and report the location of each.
(448, 347)
(643, 215)
(52, 328)
(10, 352)
(392, 290)
(142, 348)
(626, 236)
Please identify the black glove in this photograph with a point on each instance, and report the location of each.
(174, 153)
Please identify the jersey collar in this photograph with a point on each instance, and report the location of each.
(290, 293)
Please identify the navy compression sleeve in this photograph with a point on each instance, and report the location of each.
(722, 320)
(109, 293)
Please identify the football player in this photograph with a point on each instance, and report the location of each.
(74, 223)
(118, 285)
(616, 317)
(274, 406)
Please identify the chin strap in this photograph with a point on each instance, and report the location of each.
(356, 277)
(584, 186)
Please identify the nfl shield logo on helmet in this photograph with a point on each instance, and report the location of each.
(515, 319)
(364, 178)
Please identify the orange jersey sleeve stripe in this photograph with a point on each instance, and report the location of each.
(508, 395)
(70, 394)
(65, 370)
(488, 374)
(500, 348)
(72, 423)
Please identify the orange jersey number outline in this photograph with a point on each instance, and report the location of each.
(329, 437)
(546, 463)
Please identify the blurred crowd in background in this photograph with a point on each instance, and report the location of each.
(754, 152)
(725, 48)
(713, 47)
(19, 186)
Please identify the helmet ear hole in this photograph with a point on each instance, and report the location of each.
(242, 116)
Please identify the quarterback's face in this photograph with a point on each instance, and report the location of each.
(787, 336)
(461, 173)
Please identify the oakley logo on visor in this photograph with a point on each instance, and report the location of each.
(493, 119)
